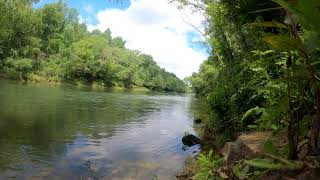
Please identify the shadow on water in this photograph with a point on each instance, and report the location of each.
(67, 133)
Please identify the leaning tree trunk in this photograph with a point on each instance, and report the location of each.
(21, 78)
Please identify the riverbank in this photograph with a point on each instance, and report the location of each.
(79, 84)
(35, 79)
(253, 155)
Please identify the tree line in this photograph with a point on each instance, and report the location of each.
(51, 44)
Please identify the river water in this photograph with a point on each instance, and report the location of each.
(65, 132)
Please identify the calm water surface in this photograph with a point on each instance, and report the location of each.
(68, 133)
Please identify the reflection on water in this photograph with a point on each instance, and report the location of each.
(66, 133)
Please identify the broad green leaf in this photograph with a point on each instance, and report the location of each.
(270, 164)
(269, 24)
(284, 43)
(307, 11)
(289, 164)
(251, 112)
(264, 164)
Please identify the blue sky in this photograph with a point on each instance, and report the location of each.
(154, 27)
(88, 9)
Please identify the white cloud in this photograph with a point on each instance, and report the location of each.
(156, 28)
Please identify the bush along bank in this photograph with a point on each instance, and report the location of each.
(262, 76)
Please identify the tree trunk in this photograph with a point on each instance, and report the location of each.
(292, 134)
(292, 137)
(21, 78)
(314, 135)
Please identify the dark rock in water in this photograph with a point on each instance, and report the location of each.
(182, 175)
(197, 121)
(185, 147)
(191, 140)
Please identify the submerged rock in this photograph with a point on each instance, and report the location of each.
(191, 140)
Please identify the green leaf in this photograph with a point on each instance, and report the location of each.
(289, 164)
(251, 112)
(263, 163)
(271, 164)
(274, 127)
(269, 147)
(284, 43)
(258, 69)
(154, 177)
(253, 126)
(269, 24)
(240, 173)
(282, 3)
(266, 10)
(307, 12)
(315, 63)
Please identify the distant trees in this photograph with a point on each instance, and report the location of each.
(50, 44)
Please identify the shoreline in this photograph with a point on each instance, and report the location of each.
(250, 147)
(93, 86)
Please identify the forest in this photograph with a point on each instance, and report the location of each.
(50, 44)
(262, 75)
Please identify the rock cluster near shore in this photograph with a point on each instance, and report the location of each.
(250, 145)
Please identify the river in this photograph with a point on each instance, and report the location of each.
(65, 132)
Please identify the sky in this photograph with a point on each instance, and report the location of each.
(154, 27)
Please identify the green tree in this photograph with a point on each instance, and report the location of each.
(50, 44)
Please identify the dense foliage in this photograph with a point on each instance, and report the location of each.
(50, 44)
(263, 72)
